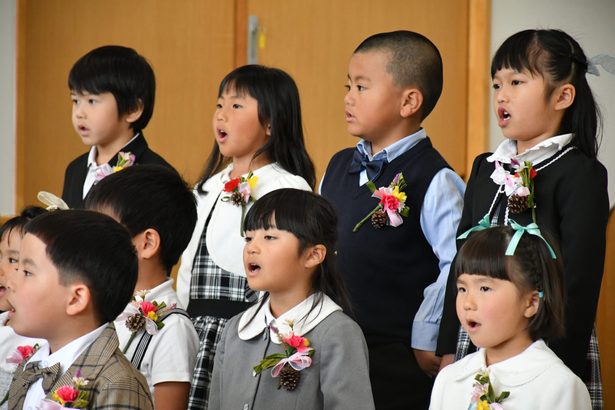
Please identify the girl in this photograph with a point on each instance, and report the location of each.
(546, 170)
(508, 304)
(317, 354)
(259, 148)
(10, 240)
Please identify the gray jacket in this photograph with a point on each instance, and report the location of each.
(337, 379)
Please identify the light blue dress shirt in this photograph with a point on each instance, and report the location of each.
(440, 215)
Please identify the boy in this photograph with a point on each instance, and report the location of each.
(113, 90)
(75, 274)
(396, 267)
(159, 211)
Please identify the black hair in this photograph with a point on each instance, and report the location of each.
(414, 61)
(279, 107)
(149, 196)
(90, 247)
(530, 268)
(122, 72)
(312, 220)
(559, 59)
(18, 222)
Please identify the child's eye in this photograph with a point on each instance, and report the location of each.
(269, 237)
(27, 273)
(13, 260)
(515, 82)
(347, 87)
(461, 289)
(485, 288)
(237, 106)
(92, 101)
(496, 86)
(360, 88)
(218, 106)
(248, 239)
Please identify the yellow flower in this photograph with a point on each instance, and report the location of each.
(401, 196)
(482, 405)
(252, 181)
(152, 315)
(117, 168)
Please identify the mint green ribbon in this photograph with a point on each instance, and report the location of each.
(531, 229)
(482, 225)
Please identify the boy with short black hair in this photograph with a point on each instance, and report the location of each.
(396, 266)
(113, 90)
(75, 274)
(159, 211)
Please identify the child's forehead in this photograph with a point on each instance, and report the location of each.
(369, 64)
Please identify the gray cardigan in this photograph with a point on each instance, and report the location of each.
(337, 379)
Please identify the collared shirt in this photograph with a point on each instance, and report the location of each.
(93, 167)
(440, 216)
(507, 150)
(303, 317)
(65, 356)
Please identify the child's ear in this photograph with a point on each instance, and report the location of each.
(147, 243)
(78, 298)
(564, 96)
(533, 302)
(314, 256)
(268, 129)
(411, 103)
(135, 114)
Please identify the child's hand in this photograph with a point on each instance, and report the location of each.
(428, 361)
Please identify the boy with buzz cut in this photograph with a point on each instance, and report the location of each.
(75, 274)
(159, 211)
(396, 262)
(113, 90)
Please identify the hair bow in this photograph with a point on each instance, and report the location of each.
(482, 225)
(531, 229)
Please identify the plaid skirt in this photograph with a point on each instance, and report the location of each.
(593, 382)
(210, 282)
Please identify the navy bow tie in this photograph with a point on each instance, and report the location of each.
(360, 162)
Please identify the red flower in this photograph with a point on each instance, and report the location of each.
(231, 185)
(147, 307)
(26, 351)
(294, 341)
(533, 173)
(67, 393)
(390, 202)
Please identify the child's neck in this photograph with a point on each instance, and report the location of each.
(105, 152)
(507, 350)
(243, 165)
(280, 303)
(71, 329)
(404, 130)
(149, 278)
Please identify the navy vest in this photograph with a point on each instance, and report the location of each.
(386, 269)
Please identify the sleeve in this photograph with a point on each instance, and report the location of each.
(449, 325)
(562, 391)
(584, 209)
(123, 393)
(439, 387)
(344, 368)
(173, 351)
(440, 215)
(215, 387)
(184, 274)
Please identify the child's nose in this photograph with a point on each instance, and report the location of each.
(468, 302)
(348, 99)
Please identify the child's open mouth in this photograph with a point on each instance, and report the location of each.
(221, 135)
(253, 268)
(503, 115)
(2, 291)
(472, 325)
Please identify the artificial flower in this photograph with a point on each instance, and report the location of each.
(239, 192)
(18, 357)
(296, 357)
(518, 186)
(483, 394)
(391, 207)
(68, 397)
(143, 314)
(124, 160)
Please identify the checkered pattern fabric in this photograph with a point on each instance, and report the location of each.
(593, 383)
(209, 281)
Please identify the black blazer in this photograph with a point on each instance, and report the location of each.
(76, 171)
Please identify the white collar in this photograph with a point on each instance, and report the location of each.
(514, 371)
(255, 320)
(4, 317)
(507, 150)
(93, 152)
(68, 353)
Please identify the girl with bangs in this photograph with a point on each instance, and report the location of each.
(547, 172)
(259, 147)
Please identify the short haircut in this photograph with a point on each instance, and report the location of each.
(18, 222)
(90, 247)
(122, 72)
(414, 61)
(149, 196)
(530, 268)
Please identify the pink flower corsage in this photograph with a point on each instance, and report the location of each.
(392, 206)
(287, 366)
(239, 192)
(124, 160)
(143, 314)
(483, 395)
(68, 397)
(518, 186)
(18, 357)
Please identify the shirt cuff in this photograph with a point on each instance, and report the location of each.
(425, 336)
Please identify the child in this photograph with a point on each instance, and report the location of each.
(319, 353)
(112, 89)
(76, 273)
(259, 148)
(159, 211)
(10, 240)
(509, 297)
(394, 81)
(546, 111)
